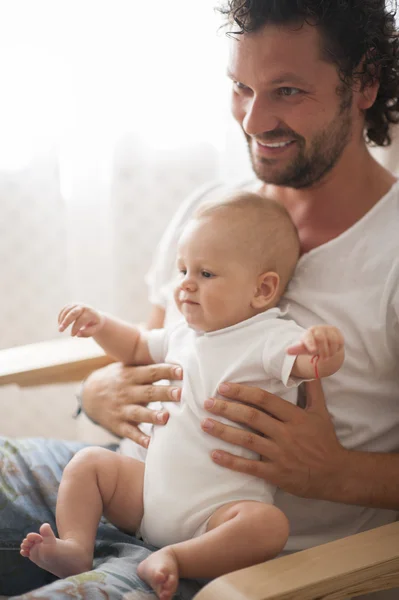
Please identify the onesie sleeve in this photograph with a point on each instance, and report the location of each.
(277, 363)
(157, 340)
(162, 269)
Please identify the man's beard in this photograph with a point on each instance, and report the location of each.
(308, 167)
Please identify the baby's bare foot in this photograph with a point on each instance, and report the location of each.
(161, 571)
(60, 557)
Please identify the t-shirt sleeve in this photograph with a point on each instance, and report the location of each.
(157, 340)
(277, 363)
(162, 269)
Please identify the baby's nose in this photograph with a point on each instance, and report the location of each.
(188, 284)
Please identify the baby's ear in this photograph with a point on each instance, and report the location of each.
(266, 290)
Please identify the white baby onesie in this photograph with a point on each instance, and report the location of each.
(182, 485)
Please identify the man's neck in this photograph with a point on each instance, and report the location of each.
(332, 206)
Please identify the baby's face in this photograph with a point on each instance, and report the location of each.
(215, 285)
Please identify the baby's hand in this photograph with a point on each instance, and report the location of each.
(86, 321)
(321, 340)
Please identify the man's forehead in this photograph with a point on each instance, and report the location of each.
(280, 79)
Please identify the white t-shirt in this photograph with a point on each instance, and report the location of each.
(180, 475)
(351, 282)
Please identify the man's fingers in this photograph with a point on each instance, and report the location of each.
(139, 395)
(151, 373)
(257, 468)
(240, 437)
(315, 399)
(132, 432)
(265, 401)
(134, 413)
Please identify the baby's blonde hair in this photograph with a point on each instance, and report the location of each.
(260, 229)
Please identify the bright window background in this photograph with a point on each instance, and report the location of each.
(111, 112)
(107, 108)
(93, 70)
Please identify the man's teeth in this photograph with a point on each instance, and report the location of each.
(276, 144)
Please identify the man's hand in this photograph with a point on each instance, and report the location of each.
(299, 450)
(85, 320)
(116, 398)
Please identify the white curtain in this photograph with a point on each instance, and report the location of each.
(110, 112)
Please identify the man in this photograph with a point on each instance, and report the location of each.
(311, 82)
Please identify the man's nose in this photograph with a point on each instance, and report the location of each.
(259, 117)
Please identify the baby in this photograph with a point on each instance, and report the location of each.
(234, 260)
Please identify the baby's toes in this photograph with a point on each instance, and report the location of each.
(25, 548)
(170, 584)
(34, 538)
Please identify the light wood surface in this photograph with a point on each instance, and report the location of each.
(345, 568)
(56, 361)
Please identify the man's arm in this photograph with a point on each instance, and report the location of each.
(299, 449)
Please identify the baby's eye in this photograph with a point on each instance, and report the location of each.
(206, 274)
(182, 271)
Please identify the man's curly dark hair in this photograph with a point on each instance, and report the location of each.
(352, 30)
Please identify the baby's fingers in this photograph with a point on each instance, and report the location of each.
(297, 349)
(335, 341)
(71, 314)
(310, 342)
(88, 330)
(321, 343)
(64, 311)
(87, 320)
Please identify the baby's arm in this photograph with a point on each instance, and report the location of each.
(320, 352)
(124, 342)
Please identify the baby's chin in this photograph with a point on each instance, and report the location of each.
(196, 321)
(205, 327)
(197, 324)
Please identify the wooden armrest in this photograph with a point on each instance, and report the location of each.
(346, 568)
(57, 361)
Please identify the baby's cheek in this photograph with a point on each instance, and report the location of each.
(176, 296)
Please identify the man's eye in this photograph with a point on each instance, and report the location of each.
(288, 91)
(239, 87)
(206, 274)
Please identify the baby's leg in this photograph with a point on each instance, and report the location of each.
(95, 482)
(238, 535)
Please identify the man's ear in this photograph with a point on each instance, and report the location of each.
(368, 91)
(266, 290)
(368, 95)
